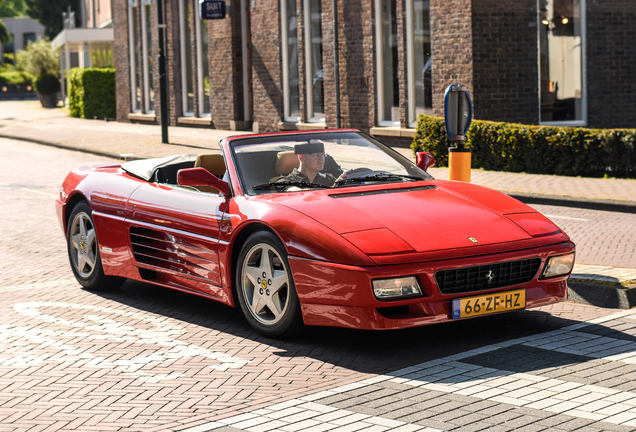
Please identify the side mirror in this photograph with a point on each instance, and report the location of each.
(202, 177)
(424, 160)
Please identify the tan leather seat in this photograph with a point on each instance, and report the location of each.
(286, 161)
(215, 164)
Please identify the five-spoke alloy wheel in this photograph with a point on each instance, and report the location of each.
(265, 286)
(83, 250)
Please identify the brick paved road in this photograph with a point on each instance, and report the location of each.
(146, 358)
(602, 238)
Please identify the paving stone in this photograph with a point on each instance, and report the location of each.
(69, 390)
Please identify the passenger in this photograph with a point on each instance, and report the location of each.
(312, 160)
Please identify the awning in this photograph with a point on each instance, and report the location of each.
(80, 36)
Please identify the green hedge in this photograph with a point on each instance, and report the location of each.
(92, 93)
(536, 149)
(14, 77)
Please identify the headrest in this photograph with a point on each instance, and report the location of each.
(313, 146)
(286, 161)
(213, 162)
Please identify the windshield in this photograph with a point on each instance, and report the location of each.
(342, 159)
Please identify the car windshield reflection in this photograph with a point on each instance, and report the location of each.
(344, 159)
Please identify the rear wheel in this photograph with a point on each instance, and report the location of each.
(83, 251)
(265, 287)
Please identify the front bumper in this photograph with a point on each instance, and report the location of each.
(342, 296)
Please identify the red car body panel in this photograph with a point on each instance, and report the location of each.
(337, 240)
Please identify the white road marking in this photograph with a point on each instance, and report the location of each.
(98, 326)
(566, 217)
(451, 375)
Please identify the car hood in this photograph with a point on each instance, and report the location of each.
(413, 219)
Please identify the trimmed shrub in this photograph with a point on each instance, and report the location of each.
(47, 84)
(535, 149)
(92, 93)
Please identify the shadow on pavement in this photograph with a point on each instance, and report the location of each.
(358, 350)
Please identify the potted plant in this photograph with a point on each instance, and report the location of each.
(48, 88)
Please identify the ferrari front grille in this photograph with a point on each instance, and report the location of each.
(486, 277)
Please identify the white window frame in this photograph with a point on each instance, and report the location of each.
(182, 46)
(284, 26)
(131, 44)
(309, 84)
(410, 63)
(247, 60)
(583, 121)
(147, 74)
(199, 47)
(379, 68)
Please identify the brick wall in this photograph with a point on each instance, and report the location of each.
(451, 48)
(267, 88)
(226, 75)
(611, 62)
(121, 58)
(357, 64)
(505, 65)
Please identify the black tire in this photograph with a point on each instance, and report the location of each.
(83, 251)
(265, 287)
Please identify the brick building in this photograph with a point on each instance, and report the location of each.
(269, 65)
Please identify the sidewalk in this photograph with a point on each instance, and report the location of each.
(27, 120)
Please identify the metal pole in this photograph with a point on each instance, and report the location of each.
(336, 62)
(163, 73)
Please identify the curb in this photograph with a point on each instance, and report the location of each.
(599, 295)
(72, 148)
(583, 203)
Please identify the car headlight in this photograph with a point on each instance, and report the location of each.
(558, 265)
(386, 289)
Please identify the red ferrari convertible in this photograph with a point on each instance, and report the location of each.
(328, 228)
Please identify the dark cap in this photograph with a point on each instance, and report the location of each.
(313, 146)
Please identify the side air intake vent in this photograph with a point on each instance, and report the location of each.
(164, 251)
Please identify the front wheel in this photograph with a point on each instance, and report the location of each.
(265, 287)
(83, 251)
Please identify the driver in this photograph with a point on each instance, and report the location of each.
(312, 160)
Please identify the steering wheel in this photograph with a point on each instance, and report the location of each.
(362, 172)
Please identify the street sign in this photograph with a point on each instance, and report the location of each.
(458, 112)
(212, 9)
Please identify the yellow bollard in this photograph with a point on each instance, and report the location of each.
(459, 161)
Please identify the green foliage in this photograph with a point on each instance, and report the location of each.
(15, 77)
(12, 8)
(47, 84)
(92, 93)
(49, 13)
(39, 58)
(5, 36)
(535, 149)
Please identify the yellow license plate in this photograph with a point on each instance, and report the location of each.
(489, 303)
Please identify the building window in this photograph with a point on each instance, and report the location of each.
(313, 60)
(291, 83)
(146, 48)
(187, 83)
(387, 63)
(419, 62)
(29, 37)
(561, 42)
(203, 68)
(135, 55)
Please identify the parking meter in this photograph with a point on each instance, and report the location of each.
(458, 115)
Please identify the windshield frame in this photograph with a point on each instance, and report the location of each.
(300, 136)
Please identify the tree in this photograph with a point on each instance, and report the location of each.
(5, 36)
(39, 58)
(12, 8)
(49, 13)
